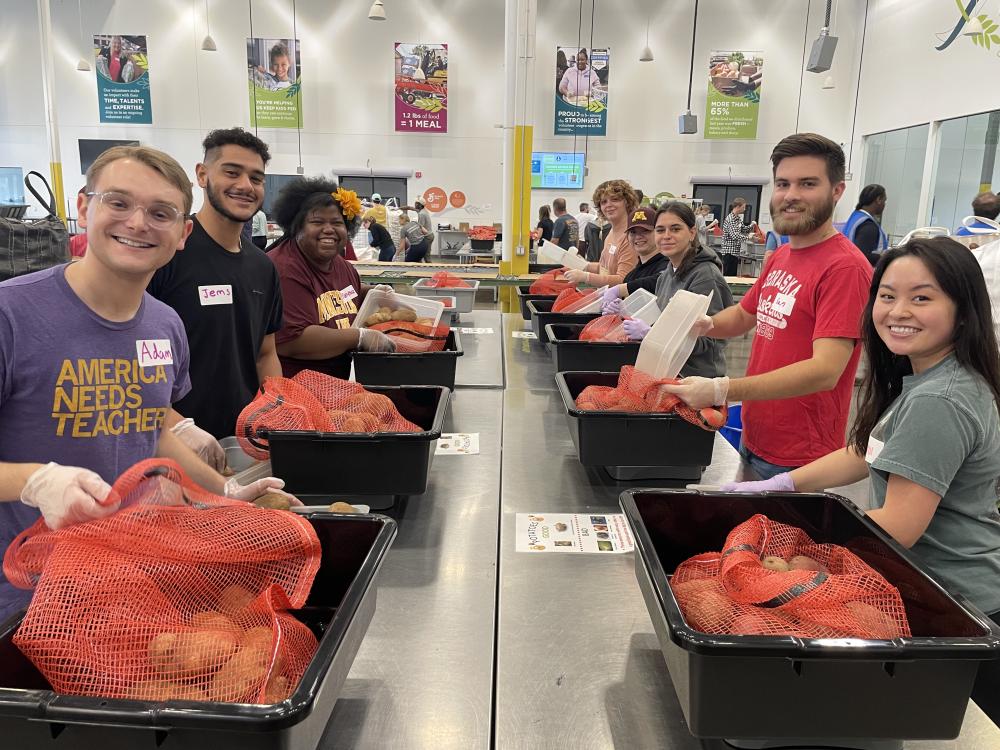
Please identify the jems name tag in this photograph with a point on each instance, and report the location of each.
(218, 294)
(348, 293)
(874, 449)
(153, 352)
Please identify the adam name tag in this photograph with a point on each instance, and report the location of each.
(219, 294)
(153, 352)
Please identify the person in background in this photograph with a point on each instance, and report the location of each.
(226, 291)
(594, 235)
(378, 212)
(695, 269)
(381, 239)
(639, 196)
(806, 307)
(864, 227)
(934, 370)
(544, 225)
(259, 232)
(651, 261)
(984, 206)
(74, 335)
(772, 242)
(425, 222)
(579, 80)
(705, 225)
(562, 65)
(583, 220)
(320, 289)
(565, 231)
(615, 200)
(734, 234)
(411, 239)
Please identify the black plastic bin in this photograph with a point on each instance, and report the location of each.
(542, 267)
(338, 611)
(332, 464)
(523, 295)
(569, 354)
(542, 315)
(633, 446)
(756, 687)
(416, 368)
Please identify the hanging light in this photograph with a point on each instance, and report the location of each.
(84, 64)
(377, 11)
(208, 43)
(828, 83)
(647, 54)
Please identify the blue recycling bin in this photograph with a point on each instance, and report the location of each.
(733, 429)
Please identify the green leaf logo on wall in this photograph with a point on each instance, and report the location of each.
(988, 38)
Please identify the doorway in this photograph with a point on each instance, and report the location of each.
(387, 187)
(718, 198)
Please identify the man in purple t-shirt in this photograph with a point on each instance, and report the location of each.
(90, 363)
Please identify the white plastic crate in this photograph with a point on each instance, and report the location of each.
(641, 305)
(376, 298)
(668, 345)
(465, 297)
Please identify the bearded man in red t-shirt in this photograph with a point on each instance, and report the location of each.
(806, 307)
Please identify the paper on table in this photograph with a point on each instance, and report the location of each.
(524, 335)
(476, 331)
(598, 533)
(457, 444)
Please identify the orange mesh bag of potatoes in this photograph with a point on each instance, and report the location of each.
(772, 579)
(415, 337)
(551, 282)
(180, 595)
(607, 328)
(571, 300)
(445, 280)
(640, 393)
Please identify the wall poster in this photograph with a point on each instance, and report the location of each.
(734, 82)
(122, 78)
(274, 73)
(581, 93)
(421, 92)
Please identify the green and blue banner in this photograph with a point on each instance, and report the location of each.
(273, 70)
(582, 90)
(734, 84)
(122, 78)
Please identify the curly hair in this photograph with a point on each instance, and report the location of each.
(278, 50)
(301, 196)
(615, 189)
(216, 139)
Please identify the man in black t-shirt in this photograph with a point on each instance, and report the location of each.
(226, 291)
(565, 230)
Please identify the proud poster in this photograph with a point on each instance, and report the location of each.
(122, 79)
(421, 93)
(273, 70)
(734, 82)
(582, 91)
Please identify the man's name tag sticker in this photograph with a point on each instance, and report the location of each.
(216, 294)
(154, 352)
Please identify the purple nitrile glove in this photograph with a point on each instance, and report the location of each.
(778, 483)
(611, 303)
(636, 329)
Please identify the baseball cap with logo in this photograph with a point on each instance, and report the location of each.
(643, 218)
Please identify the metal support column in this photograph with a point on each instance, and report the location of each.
(49, 96)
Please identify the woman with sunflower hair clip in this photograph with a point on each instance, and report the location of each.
(321, 291)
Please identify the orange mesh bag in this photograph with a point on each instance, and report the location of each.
(412, 338)
(550, 282)
(641, 393)
(772, 579)
(607, 328)
(566, 298)
(445, 280)
(180, 595)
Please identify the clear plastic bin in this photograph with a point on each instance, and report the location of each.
(552, 253)
(464, 297)
(376, 298)
(641, 305)
(669, 344)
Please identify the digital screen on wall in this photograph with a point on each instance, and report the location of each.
(556, 170)
(90, 149)
(11, 186)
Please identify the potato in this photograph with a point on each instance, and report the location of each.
(240, 676)
(875, 622)
(234, 599)
(370, 403)
(801, 562)
(213, 621)
(278, 688)
(775, 563)
(198, 654)
(152, 690)
(160, 651)
(273, 501)
(749, 624)
(360, 423)
(342, 507)
(337, 418)
(429, 322)
(262, 639)
(384, 311)
(376, 318)
(709, 611)
(405, 314)
(186, 692)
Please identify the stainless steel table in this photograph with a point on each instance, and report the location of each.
(482, 364)
(424, 675)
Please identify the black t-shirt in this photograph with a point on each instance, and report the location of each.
(546, 226)
(867, 238)
(229, 302)
(565, 231)
(381, 237)
(644, 275)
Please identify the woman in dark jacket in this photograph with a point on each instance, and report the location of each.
(545, 223)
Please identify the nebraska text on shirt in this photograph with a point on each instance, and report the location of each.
(785, 282)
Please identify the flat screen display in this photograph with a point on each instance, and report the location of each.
(90, 149)
(556, 170)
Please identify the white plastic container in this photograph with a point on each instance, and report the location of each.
(376, 298)
(549, 252)
(591, 303)
(641, 305)
(669, 343)
(465, 297)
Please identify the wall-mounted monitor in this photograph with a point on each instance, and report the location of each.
(556, 170)
(11, 186)
(90, 149)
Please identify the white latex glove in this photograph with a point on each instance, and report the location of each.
(636, 329)
(778, 483)
(68, 494)
(370, 340)
(201, 442)
(383, 288)
(703, 326)
(699, 392)
(611, 304)
(250, 492)
(576, 277)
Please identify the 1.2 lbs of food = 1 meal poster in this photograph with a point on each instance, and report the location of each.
(600, 533)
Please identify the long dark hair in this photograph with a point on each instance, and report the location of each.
(544, 212)
(960, 277)
(685, 213)
(869, 194)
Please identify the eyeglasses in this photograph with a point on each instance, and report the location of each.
(121, 206)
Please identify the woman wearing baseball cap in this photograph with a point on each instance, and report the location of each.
(651, 262)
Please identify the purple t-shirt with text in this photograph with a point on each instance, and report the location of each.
(78, 389)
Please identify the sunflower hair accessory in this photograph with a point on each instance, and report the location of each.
(350, 205)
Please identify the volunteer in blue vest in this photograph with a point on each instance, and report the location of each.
(864, 227)
(984, 206)
(771, 243)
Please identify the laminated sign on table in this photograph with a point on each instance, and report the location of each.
(597, 533)
(458, 444)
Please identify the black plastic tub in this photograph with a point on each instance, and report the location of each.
(338, 611)
(334, 464)
(417, 368)
(542, 267)
(569, 354)
(542, 315)
(756, 687)
(621, 439)
(523, 295)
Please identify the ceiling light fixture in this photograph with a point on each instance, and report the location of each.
(828, 83)
(208, 43)
(377, 11)
(647, 54)
(821, 55)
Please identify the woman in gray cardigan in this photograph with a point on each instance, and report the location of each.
(694, 268)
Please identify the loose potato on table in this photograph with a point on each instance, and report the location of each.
(342, 507)
(273, 501)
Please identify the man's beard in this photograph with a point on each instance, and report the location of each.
(215, 198)
(806, 222)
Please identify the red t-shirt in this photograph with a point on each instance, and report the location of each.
(802, 295)
(78, 245)
(312, 297)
